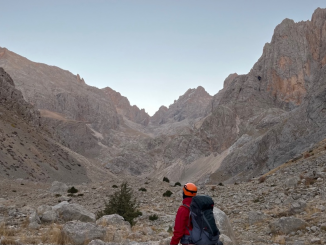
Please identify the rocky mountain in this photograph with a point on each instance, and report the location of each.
(189, 106)
(27, 151)
(123, 107)
(64, 100)
(262, 119)
(255, 123)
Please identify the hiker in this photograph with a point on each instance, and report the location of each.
(194, 222)
(181, 231)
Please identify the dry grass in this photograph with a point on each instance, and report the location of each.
(5, 231)
(8, 241)
(54, 235)
(279, 239)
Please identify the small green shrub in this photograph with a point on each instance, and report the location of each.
(122, 202)
(220, 184)
(168, 193)
(177, 183)
(142, 189)
(166, 179)
(72, 190)
(170, 229)
(153, 217)
(114, 186)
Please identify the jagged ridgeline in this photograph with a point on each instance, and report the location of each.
(255, 123)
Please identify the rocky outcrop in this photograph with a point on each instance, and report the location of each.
(12, 99)
(79, 232)
(191, 105)
(59, 91)
(122, 104)
(26, 150)
(272, 114)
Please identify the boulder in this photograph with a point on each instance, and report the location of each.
(298, 207)
(43, 208)
(49, 216)
(287, 225)
(223, 224)
(226, 240)
(58, 187)
(117, 228)
(79, 233)
(113, 219)
(69, 212)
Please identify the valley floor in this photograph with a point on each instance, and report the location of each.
(286, 206)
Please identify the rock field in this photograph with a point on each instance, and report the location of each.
(284, 206)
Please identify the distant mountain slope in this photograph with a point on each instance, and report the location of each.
(122, 104)
(190, 105)
(26, 151)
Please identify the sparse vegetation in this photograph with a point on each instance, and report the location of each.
(80, 194)
(170, 229)
(122, 202)
(142, 189)
(220, 184)
(153, 217)
(72, 190)
(166, 179)
(114, 186)
(177, 184)
(57, 195)
(168, 193)
(306, 155)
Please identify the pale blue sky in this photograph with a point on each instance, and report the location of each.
(150, 51)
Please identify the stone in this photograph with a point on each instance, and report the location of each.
(58, 187)
(298, 206)
(80, 232)
(254, 217)
(43, 208)
(287, 224)
(226, 240)
(69, 212)
(316, 240)
(49, 216)
(98, 242)
(223, 224)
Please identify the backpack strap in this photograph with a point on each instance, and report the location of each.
(189, 216)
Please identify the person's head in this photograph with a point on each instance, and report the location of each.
(189, 190)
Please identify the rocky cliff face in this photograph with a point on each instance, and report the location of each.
(26, 150)
(59, 91)
(124, 108)
(191, 106)
(276, 111)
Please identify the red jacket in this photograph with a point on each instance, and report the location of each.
(181, 222)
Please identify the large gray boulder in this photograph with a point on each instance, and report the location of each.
(287, 225)
(223, 224)
(58, 187)
(69, 212)
(79, 233)
(117, 228)
(49, 216)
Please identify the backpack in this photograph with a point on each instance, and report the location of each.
(204, 231)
